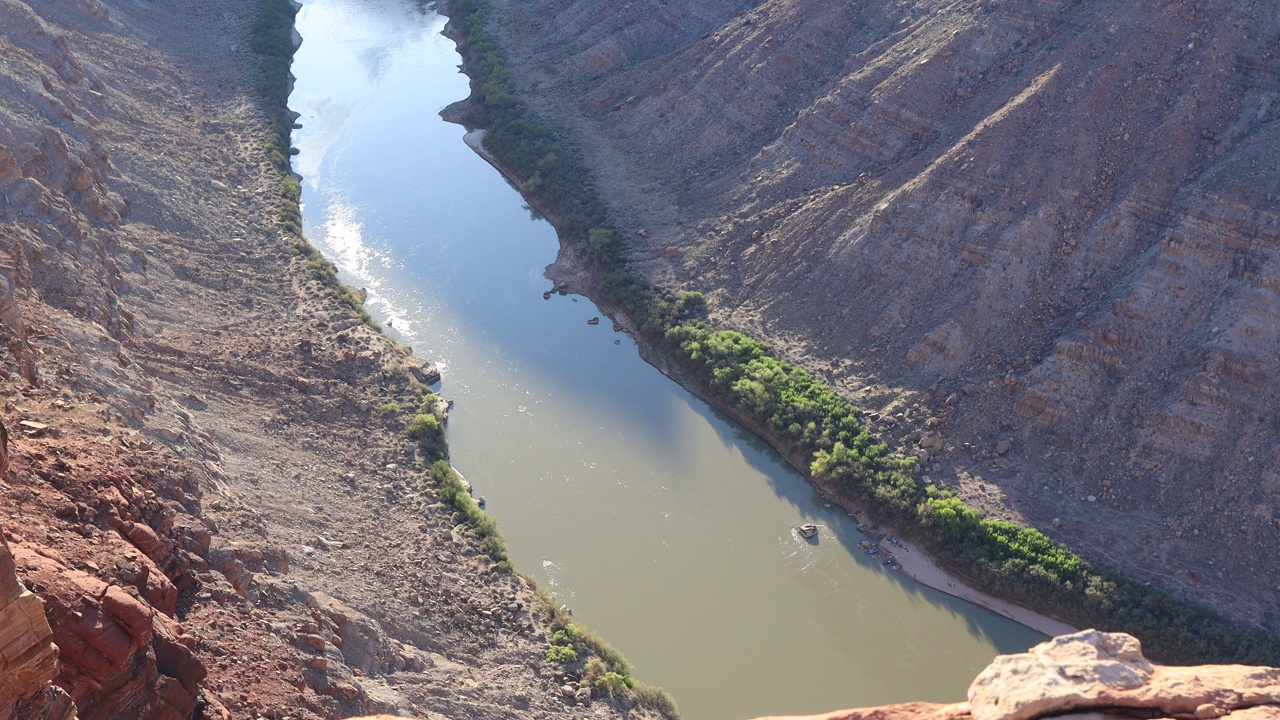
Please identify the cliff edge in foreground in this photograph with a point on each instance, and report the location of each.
(1090, 675)
(1098, 676)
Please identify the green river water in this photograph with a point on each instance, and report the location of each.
(663, 524)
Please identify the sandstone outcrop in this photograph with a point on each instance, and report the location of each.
(1093, 675)
(28, 657)
(120, 657)
(1066, 206)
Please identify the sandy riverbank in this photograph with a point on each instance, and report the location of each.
(918, 566)
(475, 140)
(921, 568)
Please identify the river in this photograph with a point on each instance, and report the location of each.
(663, 524)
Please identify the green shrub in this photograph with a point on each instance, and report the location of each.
(428, 404)
(613, 683)
(594, 669)
(656, 699)
(561, 655)
(612, 657)
(689, 304)
(422, 427)
(427, 428)
(547, 604)
(561, 637)
(452, 492)
(389, 408)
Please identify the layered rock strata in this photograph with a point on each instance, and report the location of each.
(1040, 236)
(28, 657)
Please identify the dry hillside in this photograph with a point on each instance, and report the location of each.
(202, 507)
(1036, 240)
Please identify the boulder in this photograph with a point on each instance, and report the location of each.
(1092, 675)
(28, 657)
(1092, 669)
(421, 370)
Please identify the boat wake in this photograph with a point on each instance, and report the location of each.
(798, 550)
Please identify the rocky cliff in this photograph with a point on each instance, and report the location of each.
(1090, 675)
(28, 657)
(1096, 676)
(203, 515)
(1035, 241)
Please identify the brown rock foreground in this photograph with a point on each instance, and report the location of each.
(1095, 676)
(28, 657)
(1089, 675)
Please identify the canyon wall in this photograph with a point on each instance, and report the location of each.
(1034, 241)
(202, 513)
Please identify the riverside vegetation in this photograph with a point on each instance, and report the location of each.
(602, 666)
(801, 416)
(272, 39)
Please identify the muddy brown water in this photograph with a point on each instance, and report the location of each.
(663, 524)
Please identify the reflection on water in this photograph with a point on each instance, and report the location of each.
(665, 526)
(534, 213)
